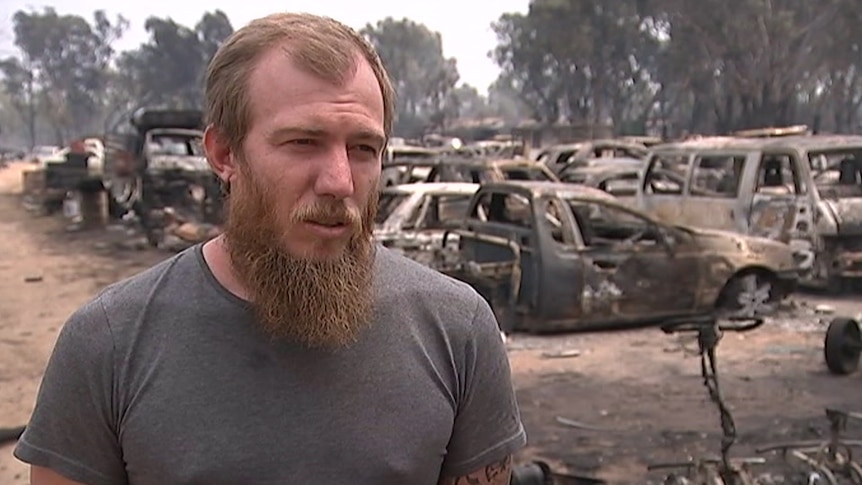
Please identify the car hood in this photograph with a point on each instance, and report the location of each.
(745, 250)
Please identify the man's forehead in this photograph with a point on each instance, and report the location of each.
(277, 81)
(335, 67)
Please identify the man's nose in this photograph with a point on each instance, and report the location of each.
(335, 177)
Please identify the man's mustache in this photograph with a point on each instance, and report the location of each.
(329, 213)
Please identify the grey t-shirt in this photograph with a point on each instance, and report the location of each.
(165, 379)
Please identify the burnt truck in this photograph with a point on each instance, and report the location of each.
(156, 170)
(558, 257)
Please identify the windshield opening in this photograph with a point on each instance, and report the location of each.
(622, 185)
(446, 208)
(837, 173)
(603, 225)
(174, 144)
(389, 202)
(526, 173)
(666, 174)
(396, 154)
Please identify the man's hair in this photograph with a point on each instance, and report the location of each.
(323, 46)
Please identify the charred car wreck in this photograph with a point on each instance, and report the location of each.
(559, 158)
(558, 257)
(157, 170)
(413, 218)
(472, 170)
(805, 191)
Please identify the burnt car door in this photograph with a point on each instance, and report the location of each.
(713, 198)
(632, 272)
(439, 212)
(781, 206)
(507, 215)
(559, 302)
(662, 186)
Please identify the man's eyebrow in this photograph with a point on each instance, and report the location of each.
(372, 136)
(295, 131)
(369, 135)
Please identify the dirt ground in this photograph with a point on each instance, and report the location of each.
(638, 392)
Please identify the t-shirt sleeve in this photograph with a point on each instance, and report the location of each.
(488, 423)
(73, 429)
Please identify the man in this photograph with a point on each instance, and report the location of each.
(291, 349)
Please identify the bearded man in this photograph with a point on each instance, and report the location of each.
(290, 349)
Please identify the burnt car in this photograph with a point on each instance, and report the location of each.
(619, 180)
(560, 157)
(156, 169)
(396, 163)
(804, 190)
(558, 257)
(412, 218)
(468, 170)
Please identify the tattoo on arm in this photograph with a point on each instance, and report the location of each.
(499, 473)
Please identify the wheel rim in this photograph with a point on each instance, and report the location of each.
(842, 346)
(754, 297)
(125, 190)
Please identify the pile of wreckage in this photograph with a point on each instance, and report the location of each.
(151, 174)
(620, 231)
(596, 233)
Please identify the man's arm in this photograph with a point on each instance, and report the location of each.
(45, 476)
(499, 473)
(487, 430)
(73, 430)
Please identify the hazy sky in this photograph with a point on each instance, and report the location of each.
(467, 34)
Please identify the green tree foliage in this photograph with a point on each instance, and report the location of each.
(19, 87)
(62, 67)
(423, 77)
(579, 60)
(661, 66)
(678, 65)
(69, 80)
(168, 70)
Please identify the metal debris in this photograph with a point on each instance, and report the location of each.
(579, 425)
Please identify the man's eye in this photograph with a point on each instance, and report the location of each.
(301, 141)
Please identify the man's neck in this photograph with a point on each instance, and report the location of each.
(217, 258)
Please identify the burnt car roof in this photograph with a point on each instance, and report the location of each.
(616, 168)
(555, 189)
(599, 142)
(465, 161)
(607, 163)
(802, 142)
(412, 149)
(145, 119)
(452, 187)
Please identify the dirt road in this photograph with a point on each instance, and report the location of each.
(642, 388)
(45, 274)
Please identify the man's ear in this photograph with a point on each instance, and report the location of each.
(219, 155)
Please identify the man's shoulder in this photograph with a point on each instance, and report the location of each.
(419, 297)
(402, 276)
(133, 292)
